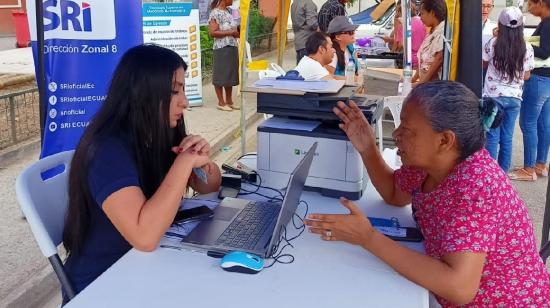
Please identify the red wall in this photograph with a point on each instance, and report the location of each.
(7, 27)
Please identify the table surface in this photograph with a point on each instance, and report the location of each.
(323, 274)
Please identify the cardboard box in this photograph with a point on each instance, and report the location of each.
(381, 9)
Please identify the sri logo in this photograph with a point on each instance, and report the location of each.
(78, 19)
(69, 12)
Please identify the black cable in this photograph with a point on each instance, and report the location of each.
(277, 256)
(257, 187)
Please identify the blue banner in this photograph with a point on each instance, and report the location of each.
(84, 41)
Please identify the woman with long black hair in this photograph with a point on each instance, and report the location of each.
(509, 60)
(534, 115)
(133, 165)
(342, 34)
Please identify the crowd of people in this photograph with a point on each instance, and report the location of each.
(135, 161)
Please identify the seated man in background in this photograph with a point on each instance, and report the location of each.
(319, 53)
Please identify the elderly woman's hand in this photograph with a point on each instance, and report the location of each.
(355, 125)
(353, 228)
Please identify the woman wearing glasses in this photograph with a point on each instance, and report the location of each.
(342, 34)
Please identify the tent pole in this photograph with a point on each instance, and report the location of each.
(449, 30)
(41, 72)
(244, 77)
(407, 41)
(281, 30)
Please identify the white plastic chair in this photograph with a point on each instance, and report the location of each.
(394, 103)
(44, 204)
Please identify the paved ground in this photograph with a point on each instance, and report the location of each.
(7, 42)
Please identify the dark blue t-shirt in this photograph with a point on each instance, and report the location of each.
(111, 169)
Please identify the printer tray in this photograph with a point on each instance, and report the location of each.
(315, 106)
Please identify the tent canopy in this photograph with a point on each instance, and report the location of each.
(457, 9)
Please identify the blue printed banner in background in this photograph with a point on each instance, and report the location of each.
(84, 41)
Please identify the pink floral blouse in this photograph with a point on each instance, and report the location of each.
(476, 209)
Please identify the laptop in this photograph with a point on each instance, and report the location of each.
(251, 226)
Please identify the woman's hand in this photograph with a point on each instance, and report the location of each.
(194, 143)
(355, 125)
(353, 228)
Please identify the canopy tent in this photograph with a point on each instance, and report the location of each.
(461, 34)
(458, 34)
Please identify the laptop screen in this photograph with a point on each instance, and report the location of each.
(294, 190)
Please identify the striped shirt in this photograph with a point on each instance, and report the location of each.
(328, 11)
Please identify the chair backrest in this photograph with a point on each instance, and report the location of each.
(394, 103)
(276, 67)
(44, 201)
(268, 73)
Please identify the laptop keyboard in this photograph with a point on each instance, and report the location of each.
(246, 229)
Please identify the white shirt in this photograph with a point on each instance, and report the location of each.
(487, 32)
(334, 62)
(497, 85)
(432, 44)
(311, 69)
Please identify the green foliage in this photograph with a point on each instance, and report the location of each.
(206, 49)
(259, 26)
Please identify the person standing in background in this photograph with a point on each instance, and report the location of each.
(417, 37)
(225, 69)
(342, 34)
(329, 10)
(487, 24)
(534, 115)
(509, 59)
(430, 54)
(304, 22)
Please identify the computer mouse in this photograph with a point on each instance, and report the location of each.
(242, 262)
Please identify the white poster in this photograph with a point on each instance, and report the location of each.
(176, 26)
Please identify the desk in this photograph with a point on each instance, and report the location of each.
(324, 274)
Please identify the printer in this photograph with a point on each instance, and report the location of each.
(300, 120)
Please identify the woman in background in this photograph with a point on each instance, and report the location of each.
(534, 115)
(430, 55)
(342, 34)
(395, 40)
(225, 70)
(509, 60)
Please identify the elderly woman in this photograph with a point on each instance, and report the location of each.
(430, 55)
(479, 240)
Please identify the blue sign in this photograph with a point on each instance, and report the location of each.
(84, 41)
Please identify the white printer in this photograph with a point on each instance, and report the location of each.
(299, 121)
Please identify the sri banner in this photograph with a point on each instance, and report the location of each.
(84, 41)
(176, 26)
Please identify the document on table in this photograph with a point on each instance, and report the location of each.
(283, 123)
(317, 86)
